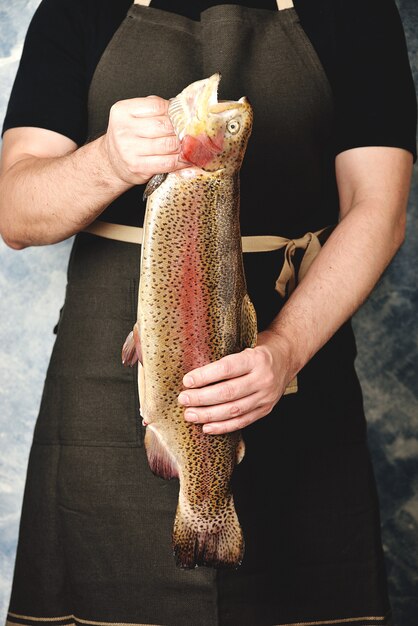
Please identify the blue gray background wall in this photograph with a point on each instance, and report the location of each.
(32, 286)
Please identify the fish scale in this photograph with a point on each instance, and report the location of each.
(193, 309)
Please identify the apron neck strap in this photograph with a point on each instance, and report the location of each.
(281, 4)
(284, 4)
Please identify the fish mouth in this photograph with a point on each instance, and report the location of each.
(222, 106)
(207, 99)
(198, 119)
(193, 104)
(198, 100)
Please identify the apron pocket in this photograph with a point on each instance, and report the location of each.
(89, 396)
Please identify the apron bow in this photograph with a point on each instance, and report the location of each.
(287, 277)
(310, 243)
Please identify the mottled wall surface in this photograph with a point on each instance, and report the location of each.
(32, 286)
(387, 333)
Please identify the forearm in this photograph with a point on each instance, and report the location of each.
(240, 388)
(45, 200)
(233, 392)
(339, 280)
(58, 190)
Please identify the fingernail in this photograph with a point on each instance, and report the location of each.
(188, 381)
(190, 417)
(207, 429)
(184, 398)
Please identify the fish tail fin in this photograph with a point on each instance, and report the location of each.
(217, 542)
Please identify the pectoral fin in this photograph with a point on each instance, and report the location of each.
(248, 324)
(131, 350)
(153, 184)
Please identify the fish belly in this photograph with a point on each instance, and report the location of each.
(192, 290)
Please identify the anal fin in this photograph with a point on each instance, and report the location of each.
(160, 459)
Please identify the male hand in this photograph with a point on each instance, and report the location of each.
(140, 140)
(238, 389)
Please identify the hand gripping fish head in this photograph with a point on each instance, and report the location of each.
(213, 134)
(193, 308)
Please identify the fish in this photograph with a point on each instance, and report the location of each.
(193, 308)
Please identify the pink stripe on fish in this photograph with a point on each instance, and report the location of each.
(194, 300)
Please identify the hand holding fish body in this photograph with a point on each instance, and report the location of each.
(193, 309)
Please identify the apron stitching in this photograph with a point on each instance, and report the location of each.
(356, 621)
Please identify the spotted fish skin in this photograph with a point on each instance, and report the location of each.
(191, 308)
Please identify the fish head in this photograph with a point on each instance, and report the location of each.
(213, 134)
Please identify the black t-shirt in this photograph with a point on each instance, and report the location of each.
(360, 43)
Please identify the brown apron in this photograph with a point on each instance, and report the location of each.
(95, 537)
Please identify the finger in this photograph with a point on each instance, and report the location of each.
(223, 412)
(226, 391)
(158, 126)
(139, 107)
(146, 107)
(231, 425)
(157, 146)
(150, 165)
(230, 366)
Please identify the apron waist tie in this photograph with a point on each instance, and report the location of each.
(311, 243)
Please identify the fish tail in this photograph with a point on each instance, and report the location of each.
(212, 542)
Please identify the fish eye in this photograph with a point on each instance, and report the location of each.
(233, 127)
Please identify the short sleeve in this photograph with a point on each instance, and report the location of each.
(374, 90)
(50, 88)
